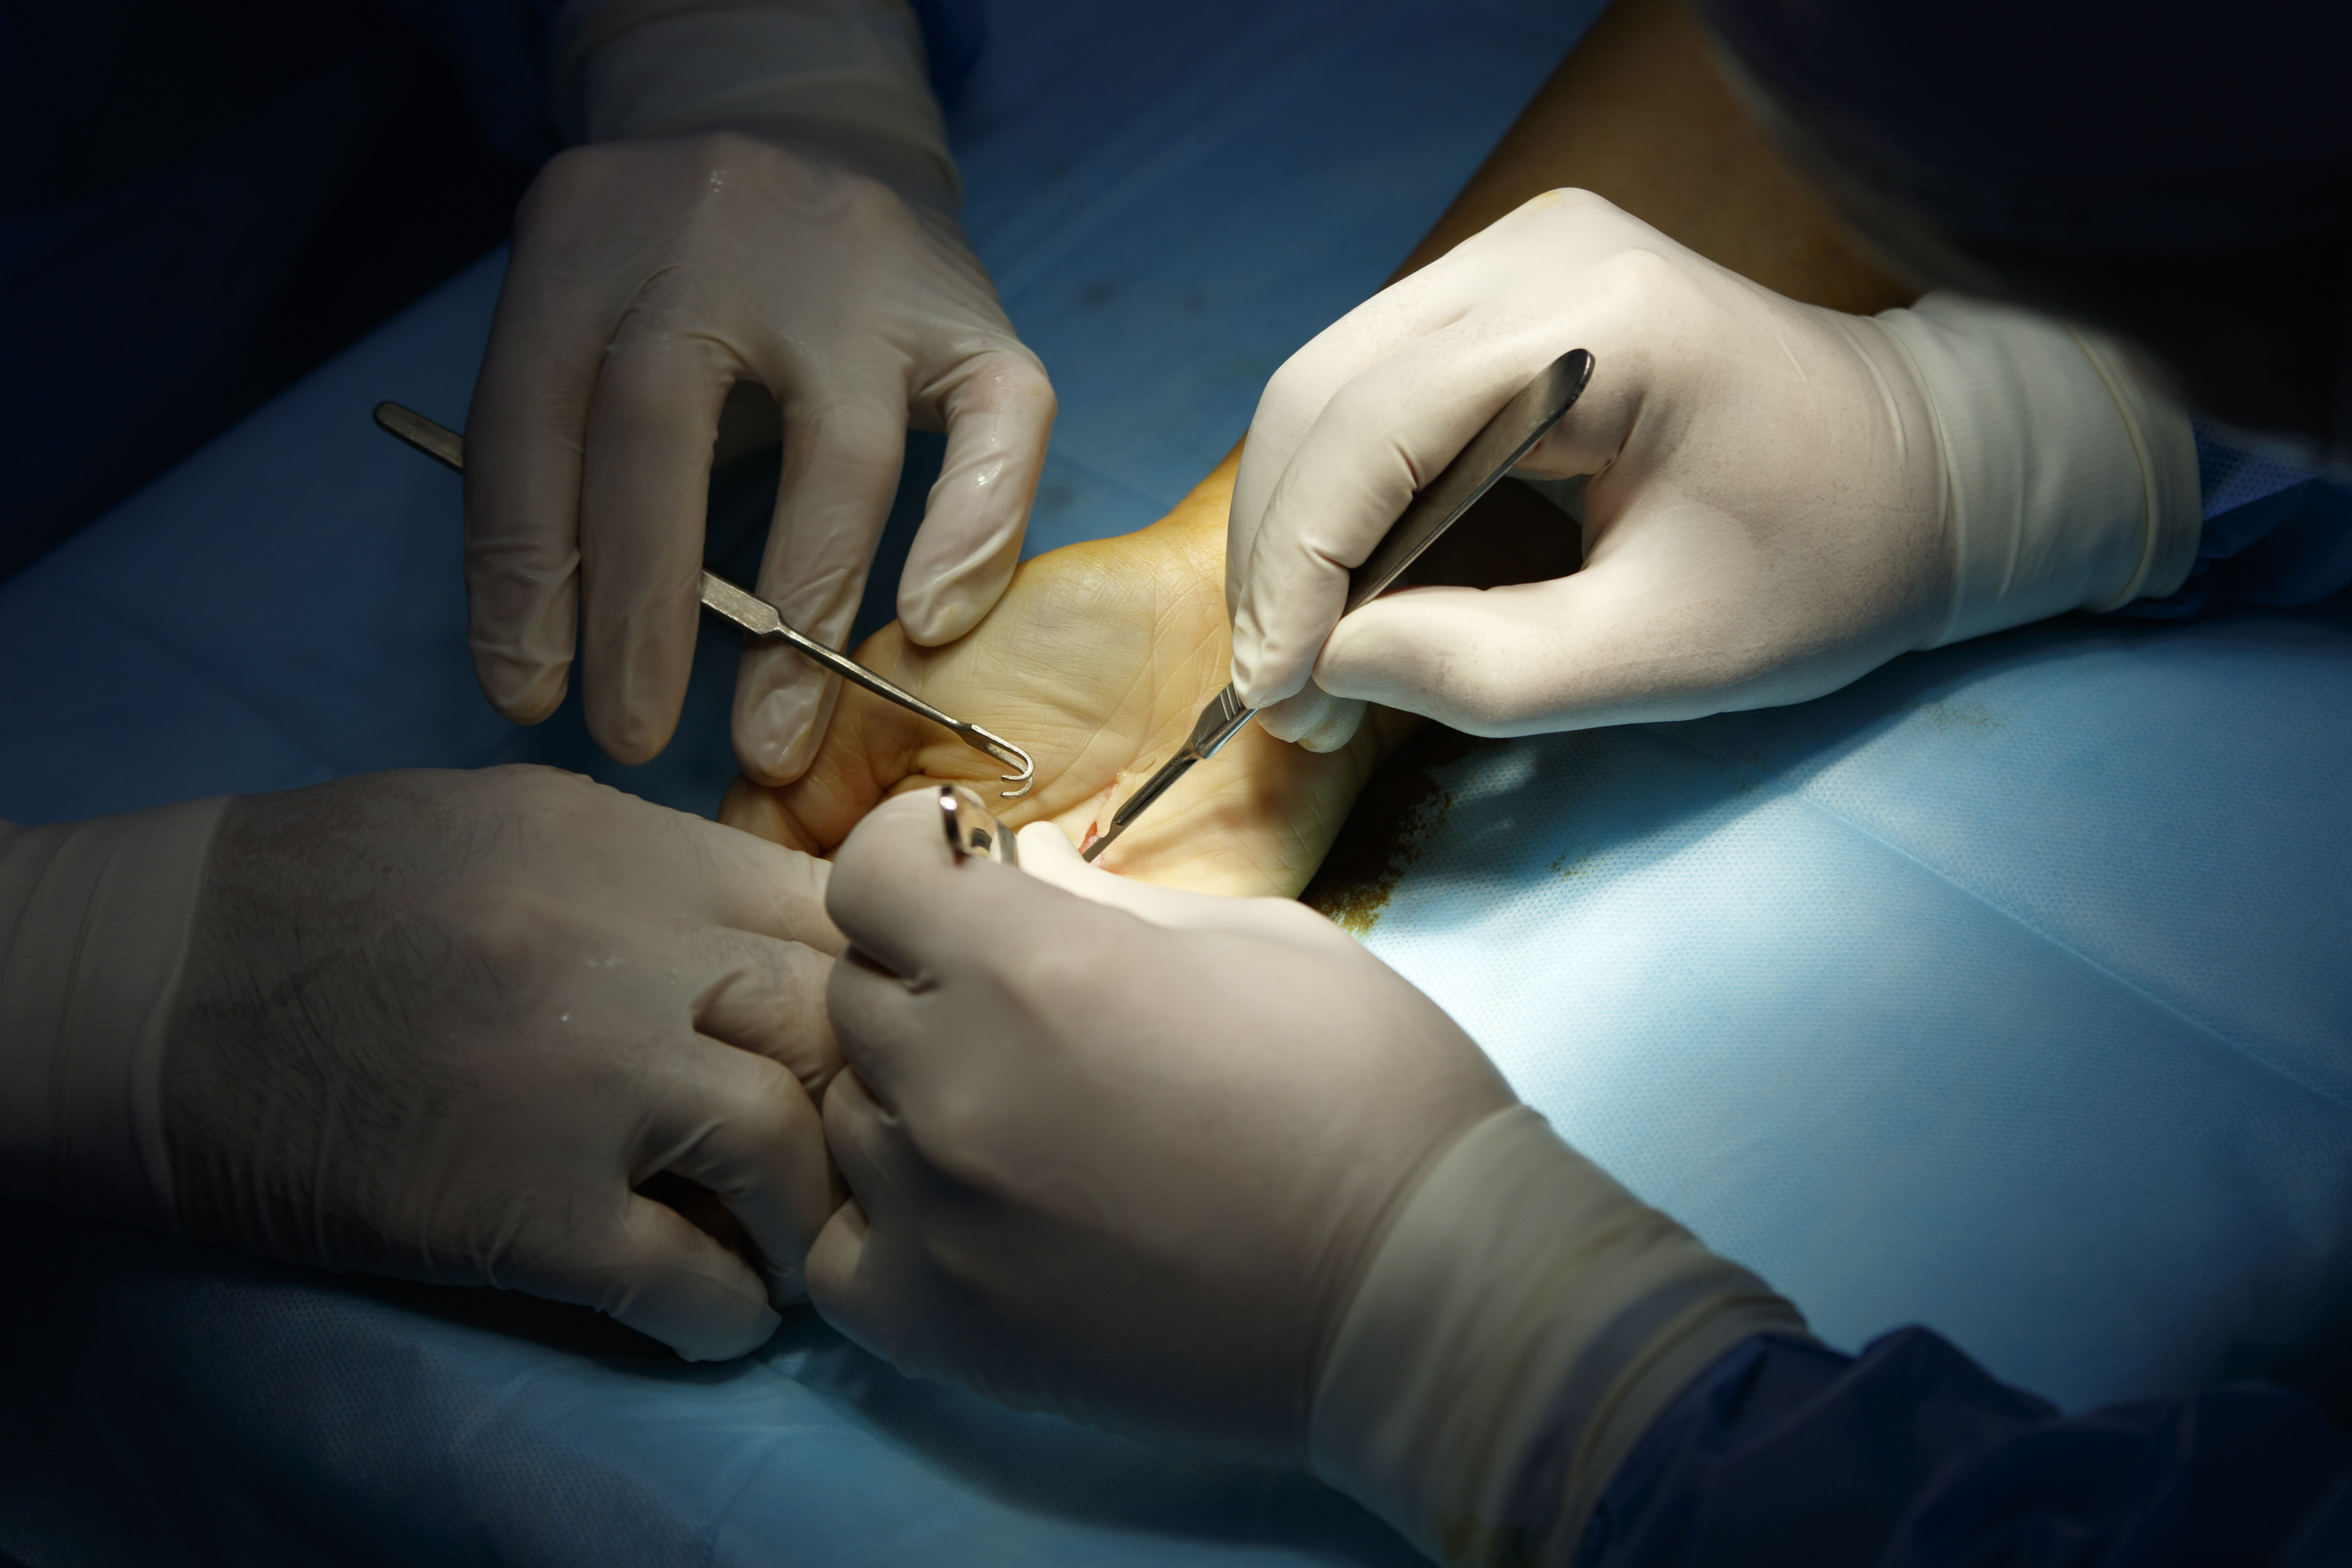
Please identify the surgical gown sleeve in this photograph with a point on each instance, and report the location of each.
(1787, 1452)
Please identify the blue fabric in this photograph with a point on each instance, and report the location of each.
(2233, 472)
(2002, 992)
(2276, 534)
(1909, 1455)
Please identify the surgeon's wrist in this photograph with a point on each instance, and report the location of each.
(2068, 482)
(1525, 1323)
(929, 189)
(839, 81)
(95, 921)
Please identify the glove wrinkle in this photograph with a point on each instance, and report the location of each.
(435, 1026)
(1111, 1187)
(100, 916)
(1524, 1322)
(628, 69)
(1781, 497)
(2067, 484)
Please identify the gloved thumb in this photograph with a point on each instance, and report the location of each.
(1049, 856)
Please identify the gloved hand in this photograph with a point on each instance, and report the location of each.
(767, 197)
(1099, 1163)
(1782, 498)
(1205, 1168)
(1098, 660)
(439, 1026)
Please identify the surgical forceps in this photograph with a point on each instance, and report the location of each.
(1510, 435)
(752, 613)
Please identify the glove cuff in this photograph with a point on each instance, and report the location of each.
(1525, 1323)
(636, 68)
(2068, 482)
(95, 918)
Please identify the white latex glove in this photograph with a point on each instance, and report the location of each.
(767, 197)
(1783, 497)
(1205, 1168)
(438, 1026)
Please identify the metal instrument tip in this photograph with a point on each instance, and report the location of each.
(1102, 844)
(1012, 756)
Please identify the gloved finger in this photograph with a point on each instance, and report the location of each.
(742, 1128)
(842, 448)
(904, 900)
(999, 412)
(645, 488)
(1480, 280)
(917, 916)
(767, 998)
(883, 1271)
(834, 1263)
(1296, 396)
(524, 432)
(858, 1277)
(751, 884)
(883, 1026)
(1313, 719)
(653, 1271)
(1601, 647)
(1379, 439)
(1047, 855)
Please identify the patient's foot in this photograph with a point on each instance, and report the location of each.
(1096, 662)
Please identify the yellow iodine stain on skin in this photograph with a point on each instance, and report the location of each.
(1388, 832)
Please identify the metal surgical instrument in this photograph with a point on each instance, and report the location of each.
(973, 831)
(1510, 435)
(752, 613)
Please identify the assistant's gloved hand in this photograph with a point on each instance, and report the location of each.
(1205, 1168)
(1782, 498)
(1099, 1165)
(766, 197)
(439, 1026)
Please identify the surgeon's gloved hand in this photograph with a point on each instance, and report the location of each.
(1127, 1171)
(1206, 1169)
(439, 1026)
(766, 198)
(1782, 498)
